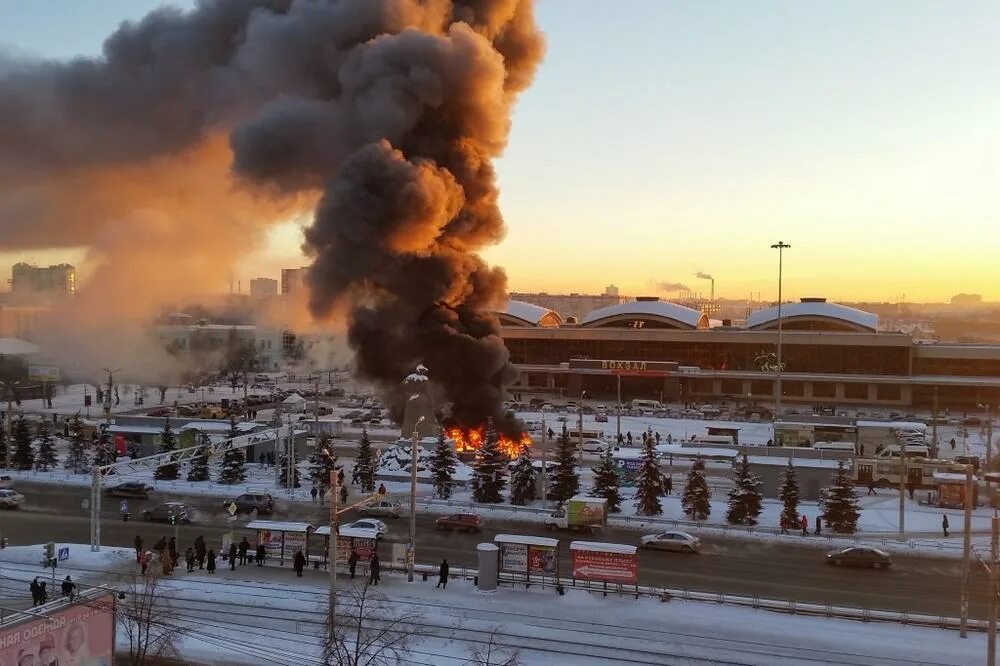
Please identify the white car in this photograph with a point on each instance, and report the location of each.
(10, 499)
(593, 446)
(382, 508)
(369, 524)
(677, 541)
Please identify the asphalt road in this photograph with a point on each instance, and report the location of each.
(917, 584)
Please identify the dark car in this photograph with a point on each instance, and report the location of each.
(463, 522)
(129, 489)
(860, 556)
(166, 512)
(250, 502)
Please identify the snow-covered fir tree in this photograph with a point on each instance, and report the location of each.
(607, 482)
(744, 499)
(523, 483)
(364, 463)
(789, 496)
(234, 463)
(695, 500)
(23, 456)
(198, 470)
(840, 503)
(45, 455)
(104, 453)
(565, 477)
(321, 464)
(283, 473)
(168, 443)
(649, 483)
(77, 459)
(489, 472)
(443, 463)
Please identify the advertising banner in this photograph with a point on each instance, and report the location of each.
(542, 560)
(294, 541)
(81, 634)
(43, 373)
(585, 513)
(514, 557)
(608, 567)
(271, 541)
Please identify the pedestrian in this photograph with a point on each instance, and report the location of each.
(783, 524)
(819, 525)
(804, 522)
(244, 550)
(668, 484)
(138, 547)
(34, 591)
(144, 561)
(343, 494)
(314, 493)
(375, 568)
(910, 488)
(43, 594)
(232, 557)
(354, 476)
(657, 437)
(621, 439)
(210, 561)
(352, 562)
(160, 545)
(944, 524)
(340, 477)
(299, 563)
(871, 488)
(199, 551)
(261, 554)
(172, 547)
(189, 559)
(381, 489)
(628, 436)
(670, 438)
(69, 588)
(952, 442)
(443, 574)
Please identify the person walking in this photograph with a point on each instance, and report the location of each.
(819, 525)
(69, 588)
(343, 494)
(34, 587)
(210, 561)
(352, 562)
(375, 570)
(232, 556)
(668, 484)
(381, 489)
(299, 563)
(340, 477)
(314, 493)
(160, 545)
(138, 547)
(172, 547)
(783, 524)
(804, 523)
(871, 488)
(189, 559)
(144, 561)
(244, 549)
(199, 551)
(443, 574)
(261, 554)
(43, 594)
(944, 524)
(952, 442)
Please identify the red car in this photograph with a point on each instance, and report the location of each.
(464, 522)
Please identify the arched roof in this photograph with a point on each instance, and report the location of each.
(815, 311)
(16, 347)
(651, 309)
(520, 313)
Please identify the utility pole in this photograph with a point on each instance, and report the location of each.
(412, 554)
(107, 396)
(545, 471)
(579, 409)
(780, 246)
(902, 492)
(934, 424)
(966, 549)
(991, 636)
(333, 548)
(618, 411)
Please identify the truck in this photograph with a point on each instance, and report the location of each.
(580, 513)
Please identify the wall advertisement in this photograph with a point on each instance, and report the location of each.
(81, 634)
(607, 567)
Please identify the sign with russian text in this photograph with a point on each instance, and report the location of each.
(607, 567)
(625, 368)
(542, 560)
(80, 634)
(514, 557)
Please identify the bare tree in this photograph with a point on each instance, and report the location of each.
(146, 619)
(368, 632)
(494, 653)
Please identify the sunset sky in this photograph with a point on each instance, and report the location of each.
(661, 138)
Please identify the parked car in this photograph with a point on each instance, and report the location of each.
(601, 418)
(382, 509)
(6, 481)
(160, 411)
(593, 446)
(10, 499)
(249, 502)
(462, 522)
(133, 489)
(369, 524)
(164, 512)
(676, 541)
(860, 556)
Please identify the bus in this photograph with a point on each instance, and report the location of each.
(795, 434)
(884, 472)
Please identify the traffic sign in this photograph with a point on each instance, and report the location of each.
(85, 503)
(232, 508)
(123, 507)
(64, 554)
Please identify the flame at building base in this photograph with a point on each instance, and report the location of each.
(468, 439)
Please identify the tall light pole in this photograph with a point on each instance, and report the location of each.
(332, 547)
(780, 246)
(989, 437)
(107, 396)
(413, 500)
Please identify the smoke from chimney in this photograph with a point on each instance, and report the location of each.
(703, 275)
(671, 286)
(169, 156)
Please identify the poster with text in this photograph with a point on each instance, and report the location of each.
(514, 557)
(607, 567)
(81, 635)
(542, 560)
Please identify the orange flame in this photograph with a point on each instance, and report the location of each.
(471, 439)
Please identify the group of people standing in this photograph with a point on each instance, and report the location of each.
(802, 523)
(165, 553)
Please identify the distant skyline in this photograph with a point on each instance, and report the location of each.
(662, 138)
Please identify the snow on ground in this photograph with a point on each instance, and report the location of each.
(268, 616)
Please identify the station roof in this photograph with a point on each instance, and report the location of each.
(602, 547)
(16, 347)
(814, 309)
(672, 314)
(526, 540)
(520, 313)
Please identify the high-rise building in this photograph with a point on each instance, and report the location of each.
(263, 287)
(293, 280)
(58, 279)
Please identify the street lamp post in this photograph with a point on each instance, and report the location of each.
(413, 500)
(107, 396)
(780, 246)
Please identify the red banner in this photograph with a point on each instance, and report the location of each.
(607, 567)
(120, 445)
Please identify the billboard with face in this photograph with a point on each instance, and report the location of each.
(81, 635)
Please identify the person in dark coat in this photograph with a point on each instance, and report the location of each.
(343, 494)
(138, 547)
(340, 477)
(172, 547)
(210, 561)
(871, 488)
(244, 549)
(819, 525)
(69, 588)
(443, 574)
(804, 524)
(299, 563)
(352, 562)
(375, 570)
(43, 594)
(944, 524)
(232, 557)
(668, 484)
(34, 587)
(160, 545)
(199, 551)
(261, 554)
(189, 558)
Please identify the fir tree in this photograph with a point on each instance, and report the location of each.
(283, 474)
(522, 479)
(789, 496)
(364, 464)
(234, 465)
(3, 446)
(104, 454)
(840, 504)
(649, 483)
(46, 454)
(744, 498)
(606, 481)
(443, 464)
(24, 456)
(695, 500)
(565, 478)
(168, 443)
(76, 459)
(488, 478)
(198, 471)
(321, 464)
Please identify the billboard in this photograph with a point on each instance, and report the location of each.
(608, 567)
(43, 373)
(363, 547)
(527, 558)
(585, 512)
(80, 634)
(625, 368)
(542, 560)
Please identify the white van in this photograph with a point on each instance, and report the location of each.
(911, 451)
(651, 405)
(834, 446)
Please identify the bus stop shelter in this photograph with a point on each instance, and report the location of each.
(608, 564)
(528, 558)
(282, 539)
(362, 541)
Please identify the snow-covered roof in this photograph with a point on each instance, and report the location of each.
(588, 499)
(695, 451)
(530, 314)
(952, 477)
(527, 540)
(671, 313)
(814, 308)
(278, 526)
(897, 425)
(16, 347)
(217, 426)
(601, 547)
(796, 462)
(294, 399)
(136, 430)
(353, 532)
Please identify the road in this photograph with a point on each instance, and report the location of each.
(915, 583)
